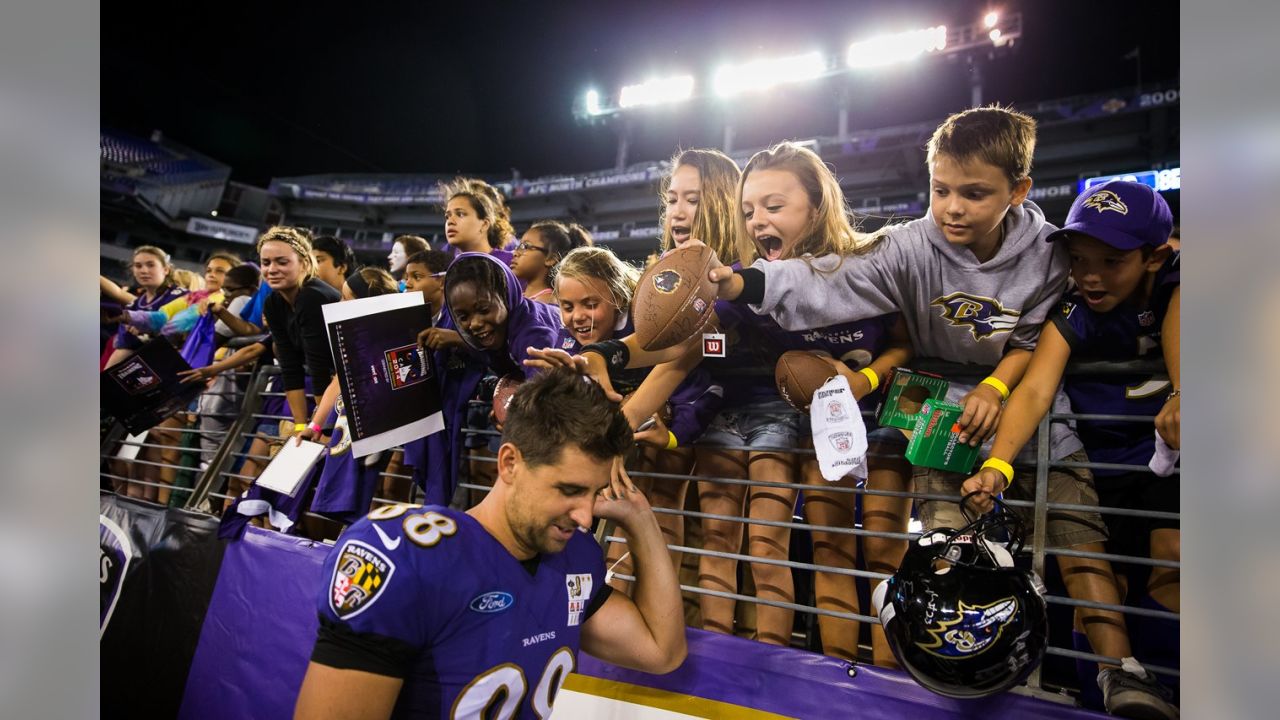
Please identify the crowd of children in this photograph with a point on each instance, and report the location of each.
(984, 281)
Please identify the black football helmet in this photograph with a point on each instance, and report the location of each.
(960, 618)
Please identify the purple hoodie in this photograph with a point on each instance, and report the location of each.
(529, 324)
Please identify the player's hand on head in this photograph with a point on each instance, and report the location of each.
(988, 483)
(982, 408)
(620, 500)
(1169, 422)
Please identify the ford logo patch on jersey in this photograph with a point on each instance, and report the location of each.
(493, 602)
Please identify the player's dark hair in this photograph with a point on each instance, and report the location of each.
(435, 261)
(338, 250)
(559, 409)
(485, 273)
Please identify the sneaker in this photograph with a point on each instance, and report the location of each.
(1129, 691)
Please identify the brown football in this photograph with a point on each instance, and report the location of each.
(674, 298)
(799, 374)
(502, 394)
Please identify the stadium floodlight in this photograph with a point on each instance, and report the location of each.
(991, 19)
(657, 91)
(761, 74)
(898, 47)
(593, 103)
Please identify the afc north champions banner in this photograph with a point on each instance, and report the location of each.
(156, 572)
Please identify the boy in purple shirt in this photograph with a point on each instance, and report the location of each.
(1125, 306)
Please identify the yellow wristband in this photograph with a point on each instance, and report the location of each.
(1005, 469)
(998, 384)
(671, 440)
(871, 376)
(299, 427)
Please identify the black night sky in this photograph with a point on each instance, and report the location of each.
(277, 89)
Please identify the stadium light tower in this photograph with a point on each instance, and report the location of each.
(657, 91)
(896, 47)
(758, 75)
(973, 42)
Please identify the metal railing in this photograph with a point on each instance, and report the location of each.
(232, 443)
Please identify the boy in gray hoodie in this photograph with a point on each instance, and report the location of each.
(975, 281)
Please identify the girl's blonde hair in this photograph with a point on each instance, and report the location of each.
(164, 260)
(714, 224)
(488, 204)
(599, 263)
(833, 229)
(296, 238)
(186, 279)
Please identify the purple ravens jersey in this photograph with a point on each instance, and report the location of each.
(426, 594)
(1125, 333)
(757, 341)
(347, 484)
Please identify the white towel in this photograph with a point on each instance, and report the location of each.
(1165, 459)
(839, 434)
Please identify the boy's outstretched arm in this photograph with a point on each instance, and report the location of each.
(984, 404)
(1027, 405)
(1169, 419)
(805, 293)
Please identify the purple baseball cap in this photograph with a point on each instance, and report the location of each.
(1125, 215)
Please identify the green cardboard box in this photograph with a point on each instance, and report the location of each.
(935, 442)
(905, 397)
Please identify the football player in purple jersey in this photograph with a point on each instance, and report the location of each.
(434, 612)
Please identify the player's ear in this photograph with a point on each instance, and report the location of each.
(508, 457)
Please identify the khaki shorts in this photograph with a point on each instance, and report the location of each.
(1072, 486)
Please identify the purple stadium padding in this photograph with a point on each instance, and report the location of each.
(795, 683)
(259, 629)
(258, 632)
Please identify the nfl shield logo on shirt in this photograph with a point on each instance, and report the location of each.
(579, 588)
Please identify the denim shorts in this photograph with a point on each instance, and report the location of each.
(885, 442)
(773, 424)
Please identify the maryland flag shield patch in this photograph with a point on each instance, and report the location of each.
(359, 577)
